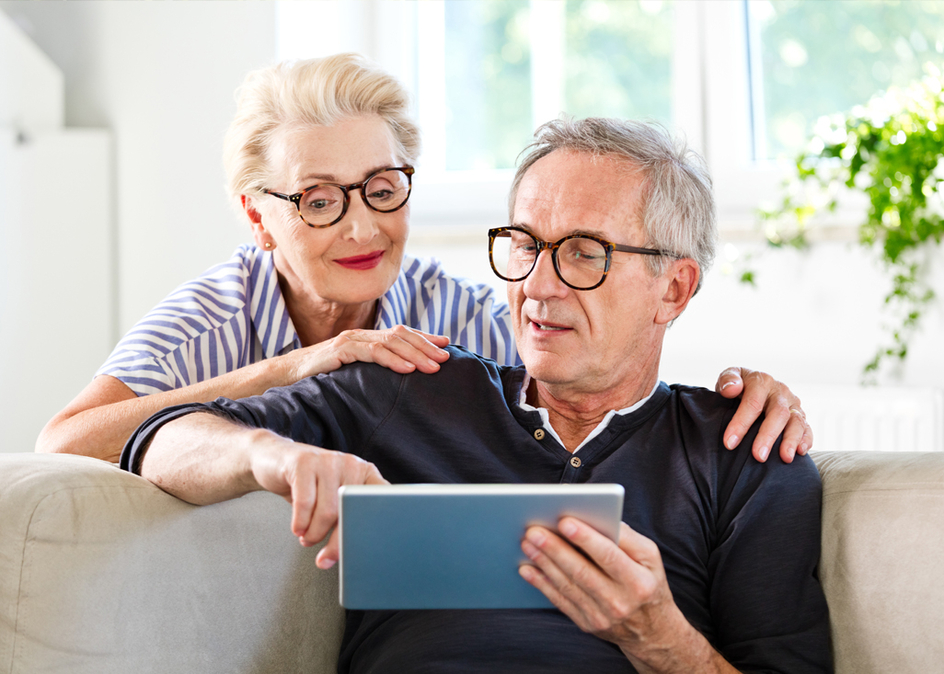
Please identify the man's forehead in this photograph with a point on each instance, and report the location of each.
(585, 192)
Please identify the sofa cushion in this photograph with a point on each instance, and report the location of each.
(100, 571)
(882, 563)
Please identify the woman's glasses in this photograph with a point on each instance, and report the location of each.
(324, 205)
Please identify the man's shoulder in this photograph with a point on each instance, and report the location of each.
(463, 376)
(701, 405)
(704, 415)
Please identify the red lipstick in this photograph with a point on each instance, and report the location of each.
(361, 262)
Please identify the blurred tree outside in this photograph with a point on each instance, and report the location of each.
(617, 59)
(882, 137)
(820, 58)
(488, 83)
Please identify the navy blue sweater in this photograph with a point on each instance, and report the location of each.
(739, 540)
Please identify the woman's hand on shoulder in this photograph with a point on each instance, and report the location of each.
(762, 394)
(399, 348)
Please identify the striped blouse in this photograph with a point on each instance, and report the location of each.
(234, 315)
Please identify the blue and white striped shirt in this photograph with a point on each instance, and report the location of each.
(234, 315)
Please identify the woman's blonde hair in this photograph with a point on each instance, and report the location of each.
(316, 92)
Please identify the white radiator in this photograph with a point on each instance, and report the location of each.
(882, 419)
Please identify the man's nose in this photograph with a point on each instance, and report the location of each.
(543, 282)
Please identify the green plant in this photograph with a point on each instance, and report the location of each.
(892, 151)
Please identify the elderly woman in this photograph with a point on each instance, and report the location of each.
(320, 159)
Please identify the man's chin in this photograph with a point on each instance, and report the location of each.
(548, 368)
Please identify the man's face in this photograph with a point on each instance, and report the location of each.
(591, 341)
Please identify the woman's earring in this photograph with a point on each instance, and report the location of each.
(268, 245)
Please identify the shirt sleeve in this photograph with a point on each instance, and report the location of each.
(478, 320)
(766, 599)
(200, 330)
(338, 412)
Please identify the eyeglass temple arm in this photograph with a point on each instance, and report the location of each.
(287, 197)
(643, 251)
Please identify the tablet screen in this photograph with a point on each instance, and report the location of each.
(455, 546)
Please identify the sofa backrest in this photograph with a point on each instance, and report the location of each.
(882, 563)
(101, 572)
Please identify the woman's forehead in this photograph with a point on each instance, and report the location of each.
(343, 152)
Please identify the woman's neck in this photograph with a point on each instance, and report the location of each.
(317, 320)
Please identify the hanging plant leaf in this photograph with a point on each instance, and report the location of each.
(892, 150)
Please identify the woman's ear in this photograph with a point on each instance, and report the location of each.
(249, 206)
(682, 276)
(260, 234)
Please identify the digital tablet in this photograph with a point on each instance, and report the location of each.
(432, 546)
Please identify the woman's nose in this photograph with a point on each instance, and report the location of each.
(360, 220)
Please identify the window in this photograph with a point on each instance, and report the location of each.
(744, 80)
(512, 65)
(819, 58)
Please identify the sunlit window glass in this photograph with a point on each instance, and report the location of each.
(618, 59)
(818, 58)
(488, 83)
(513, 64)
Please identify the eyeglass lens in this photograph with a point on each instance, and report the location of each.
(581, 262)
(384, 192)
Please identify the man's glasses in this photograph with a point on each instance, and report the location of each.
(581, 261)
(324, 205)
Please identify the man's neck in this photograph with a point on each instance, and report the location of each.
(574, 414)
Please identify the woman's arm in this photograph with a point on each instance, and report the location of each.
(102, 417)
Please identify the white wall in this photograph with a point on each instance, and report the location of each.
(55, 225)
(813, 320)
(161, 77)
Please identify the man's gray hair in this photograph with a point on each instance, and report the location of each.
(678, 205)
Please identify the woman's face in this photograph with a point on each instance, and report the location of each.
(355, 260)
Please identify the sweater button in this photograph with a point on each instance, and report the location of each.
(539, 434)
(575, 461)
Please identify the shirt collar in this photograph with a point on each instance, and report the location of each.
(396, 303)
(267, 308)
(546, 419)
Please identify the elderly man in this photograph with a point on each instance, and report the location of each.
(715, 570)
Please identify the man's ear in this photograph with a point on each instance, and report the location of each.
(259, 233)
(682, 278)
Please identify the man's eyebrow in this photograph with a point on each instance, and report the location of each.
(525, 227)
(591, 232)
(576, 232)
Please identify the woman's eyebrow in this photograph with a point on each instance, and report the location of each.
(315, 178)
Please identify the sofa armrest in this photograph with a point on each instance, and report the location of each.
(101, 571)
(882, 558)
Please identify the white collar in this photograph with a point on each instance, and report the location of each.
(546, 420)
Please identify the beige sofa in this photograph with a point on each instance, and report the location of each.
(101, 572)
